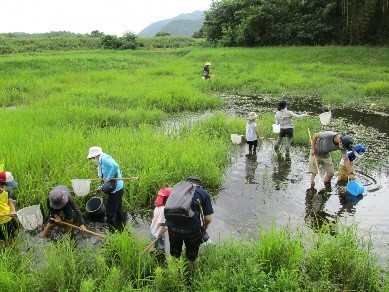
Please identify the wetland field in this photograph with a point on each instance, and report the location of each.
(152, 111)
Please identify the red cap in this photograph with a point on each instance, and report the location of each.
(162, 194)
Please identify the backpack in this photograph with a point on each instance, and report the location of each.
(177, 207)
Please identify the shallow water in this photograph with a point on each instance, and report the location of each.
(272, 186)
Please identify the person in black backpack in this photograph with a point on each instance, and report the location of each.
(191, 229)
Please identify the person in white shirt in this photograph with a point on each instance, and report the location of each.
(252, 133)
(157, 226)
(284, 119)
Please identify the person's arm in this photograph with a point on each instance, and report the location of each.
(348, 166)
(207, 221)
(77, 213)
(313, 143)
(256, 132)
(297, 116)
(11, 205)
(110, 167)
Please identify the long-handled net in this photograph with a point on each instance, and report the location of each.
(325, 118)
(81, 187)
(30, 217)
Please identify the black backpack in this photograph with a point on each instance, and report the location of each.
(177, 207)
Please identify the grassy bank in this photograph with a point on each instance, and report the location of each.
(277, 261)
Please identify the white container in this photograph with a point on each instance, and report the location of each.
(236, 139)
(276, 128)
(30, 217)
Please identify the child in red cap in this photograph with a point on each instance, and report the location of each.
(157, 226)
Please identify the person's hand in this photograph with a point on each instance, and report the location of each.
(351, 176)
(82, 227)
(57, 219)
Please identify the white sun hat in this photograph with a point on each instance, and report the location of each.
(94, 151)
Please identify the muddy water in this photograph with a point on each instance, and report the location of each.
(272, 186)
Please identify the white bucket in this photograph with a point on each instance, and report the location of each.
(276, 128)
(236, 139)
(81, 187)
(30, 217)
(325, 118)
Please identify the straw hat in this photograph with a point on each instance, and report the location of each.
(207, 64)
(252, 116)
(59, 197)
(94, 151)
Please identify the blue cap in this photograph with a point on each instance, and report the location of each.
(359, 148)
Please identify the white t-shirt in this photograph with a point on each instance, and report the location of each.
(158, 218)
(250, 131)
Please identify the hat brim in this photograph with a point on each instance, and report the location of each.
(60, 206)
(11, 183)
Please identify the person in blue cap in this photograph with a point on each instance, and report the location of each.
(358, 150)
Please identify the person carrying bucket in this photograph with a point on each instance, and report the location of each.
(107, 170)
(358, 150)
(60, 201)
(157, 226)
(284, 119)
(322, 144)
(252, 134)
(8, 224)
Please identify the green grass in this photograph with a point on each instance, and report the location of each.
(277, 260)
(55, 105)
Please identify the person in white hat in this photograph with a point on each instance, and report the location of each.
(60, 201)
(8, 224)
(107, 169)
(252, 134)
(206, 74)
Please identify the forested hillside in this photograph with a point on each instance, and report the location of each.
(297, 22)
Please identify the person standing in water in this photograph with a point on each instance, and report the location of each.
(284, 119)
(252, 132)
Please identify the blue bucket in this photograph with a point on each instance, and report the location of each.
(355, 188)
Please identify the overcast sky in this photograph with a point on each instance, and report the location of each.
(84, 16)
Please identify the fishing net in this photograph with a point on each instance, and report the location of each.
(30, 217)
(325, 118)
(81, 187)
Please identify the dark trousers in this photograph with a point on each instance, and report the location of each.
(114, 210)
(192, 239)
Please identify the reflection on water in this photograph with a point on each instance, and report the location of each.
(316, 214)
(281, 169)
(251, 165)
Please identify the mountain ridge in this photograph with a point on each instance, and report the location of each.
(181, 25)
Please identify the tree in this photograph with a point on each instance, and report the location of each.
(96, 34)
(162, 34)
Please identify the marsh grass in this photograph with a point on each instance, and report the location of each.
(279, 259)
(62, 103)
